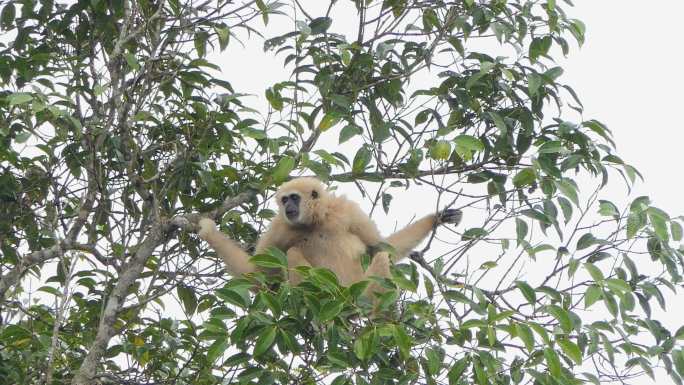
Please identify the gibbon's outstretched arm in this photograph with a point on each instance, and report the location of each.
(362, 226)
(406, 239)
(236, 259)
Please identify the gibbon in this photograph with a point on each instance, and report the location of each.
(316, 228)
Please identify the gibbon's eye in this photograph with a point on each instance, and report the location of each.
(294, 198)
(314, 194)
(283, 199)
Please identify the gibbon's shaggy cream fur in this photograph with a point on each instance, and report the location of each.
(316, 228)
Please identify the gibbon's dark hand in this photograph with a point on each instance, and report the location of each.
(452, 216)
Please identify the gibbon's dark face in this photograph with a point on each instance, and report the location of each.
(299, 201)
(291, 206)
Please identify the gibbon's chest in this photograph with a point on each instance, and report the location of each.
(338, 251)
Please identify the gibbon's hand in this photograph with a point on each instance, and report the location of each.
(207, 226)
(452, 216)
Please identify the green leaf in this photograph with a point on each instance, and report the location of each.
(267, 261)
(19, 98)
(386, 200)
(568, 189)
(349, 131)
(474, 233)
(525, 177)
(552, 361)
(528, 291)
(457, 369)
(330, 310)
(521, 230)
(7, 16)
(658, 219)
(592, 295)
(440, 150)
(223, 34)
(200, 42)
(561, 315)
(132, 61)
(402, 340)
(188, 299)
(634, 224)
(680, 333)
(217, 349)
(678, 360)
(587, 240)
(534, 82)
(282, 169)
(466, 145)
(608, 209)
(328, 121)
(618, 285)
(320, 25)
(525, 334)
(265, 341)
(361, 160)
(594, 271)
(676, 230)
(498, 121)
(571, 350)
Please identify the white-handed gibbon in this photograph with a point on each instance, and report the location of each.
(316, 228)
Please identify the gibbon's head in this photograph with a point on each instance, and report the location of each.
(301, 201)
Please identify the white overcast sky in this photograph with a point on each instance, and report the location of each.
(628, 76)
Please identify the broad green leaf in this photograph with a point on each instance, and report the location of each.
(440, 150)
(265, 340)
(320, 25)
(217, 349)
(328, 121)
(348, 132)
(402, 340)
(534, 82)
(19, 98)
(525, 334)
(528, 291)
(561, 315)
(594, 271)
(223, 34)
(552, 361)
(188, 299)
(571, 350)
(658, 219)
(617, 285)
(608, 209)
(592, 295)
(361, 160)
(525, 177)
(568, 189)
(330, 310)
(676, 229)
(7, 16)
(282, 169)
(132, 61)
(268, 261)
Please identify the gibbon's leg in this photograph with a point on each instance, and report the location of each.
(236, 259)
(379, 267)
(295, 258)
(410, 236)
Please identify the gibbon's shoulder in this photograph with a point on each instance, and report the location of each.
(341, 210)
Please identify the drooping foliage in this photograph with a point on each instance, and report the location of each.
(120, 126)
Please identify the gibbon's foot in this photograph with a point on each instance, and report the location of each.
(452, 216)
(207, 226)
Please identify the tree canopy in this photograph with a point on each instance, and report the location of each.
(119, 130)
